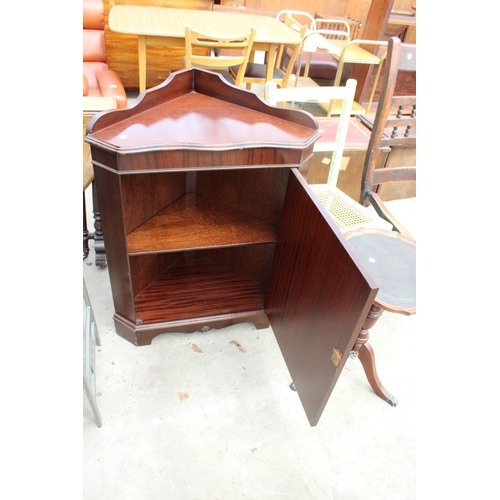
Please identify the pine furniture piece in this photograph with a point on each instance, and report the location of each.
(258, 73)
(220, 53)
(122, 48)
(208, 223)
(165, 26)
(319, 64)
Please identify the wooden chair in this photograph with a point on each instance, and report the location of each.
(394, 127)
(221, 53)
(299, 18)
(345, 212)
(255, 73)
(349, 214)
(338, 23)
(318, 63)
(353, 52)
(331, 94)
(294, 19)
(321, 66)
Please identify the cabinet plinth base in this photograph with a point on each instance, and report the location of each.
(140, 335)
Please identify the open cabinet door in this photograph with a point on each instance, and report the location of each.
(318, 296)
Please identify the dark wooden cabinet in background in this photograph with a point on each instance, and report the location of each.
(207, 222)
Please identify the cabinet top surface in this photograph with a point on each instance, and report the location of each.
(192, 118)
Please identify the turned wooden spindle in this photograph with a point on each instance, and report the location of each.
(364, 351)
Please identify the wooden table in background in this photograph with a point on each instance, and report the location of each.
(165, 26)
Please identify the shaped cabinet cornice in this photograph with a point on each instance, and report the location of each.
(208, 223)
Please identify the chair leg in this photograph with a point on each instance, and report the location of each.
(91, 339)
(97, 236)
(364, 351)
(92, 401)
(100, 253)
(86, 234)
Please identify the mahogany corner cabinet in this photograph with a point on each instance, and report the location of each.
(207, 222)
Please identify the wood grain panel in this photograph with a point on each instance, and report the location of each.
(108, 191)
(250, 261)
(195, 221)
(160, 189)
(240, 188)
(318, 297)
(146, 268)
(196, 287)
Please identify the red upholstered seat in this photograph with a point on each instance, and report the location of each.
(322, 67)
(98, 79)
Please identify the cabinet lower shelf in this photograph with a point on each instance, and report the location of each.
(196, 287)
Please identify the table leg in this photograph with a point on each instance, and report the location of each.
(364, 351)
(141, 42)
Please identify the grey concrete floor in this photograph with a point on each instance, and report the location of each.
(210, 416)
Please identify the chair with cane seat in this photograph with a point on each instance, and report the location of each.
(343, 95)
(345, 212)
(370, 211)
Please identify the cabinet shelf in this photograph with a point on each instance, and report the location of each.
(196, 287)
(195, 221)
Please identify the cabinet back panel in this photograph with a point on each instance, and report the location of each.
(257, 192)
(250, 261)
(146, 268)
(146, 194)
